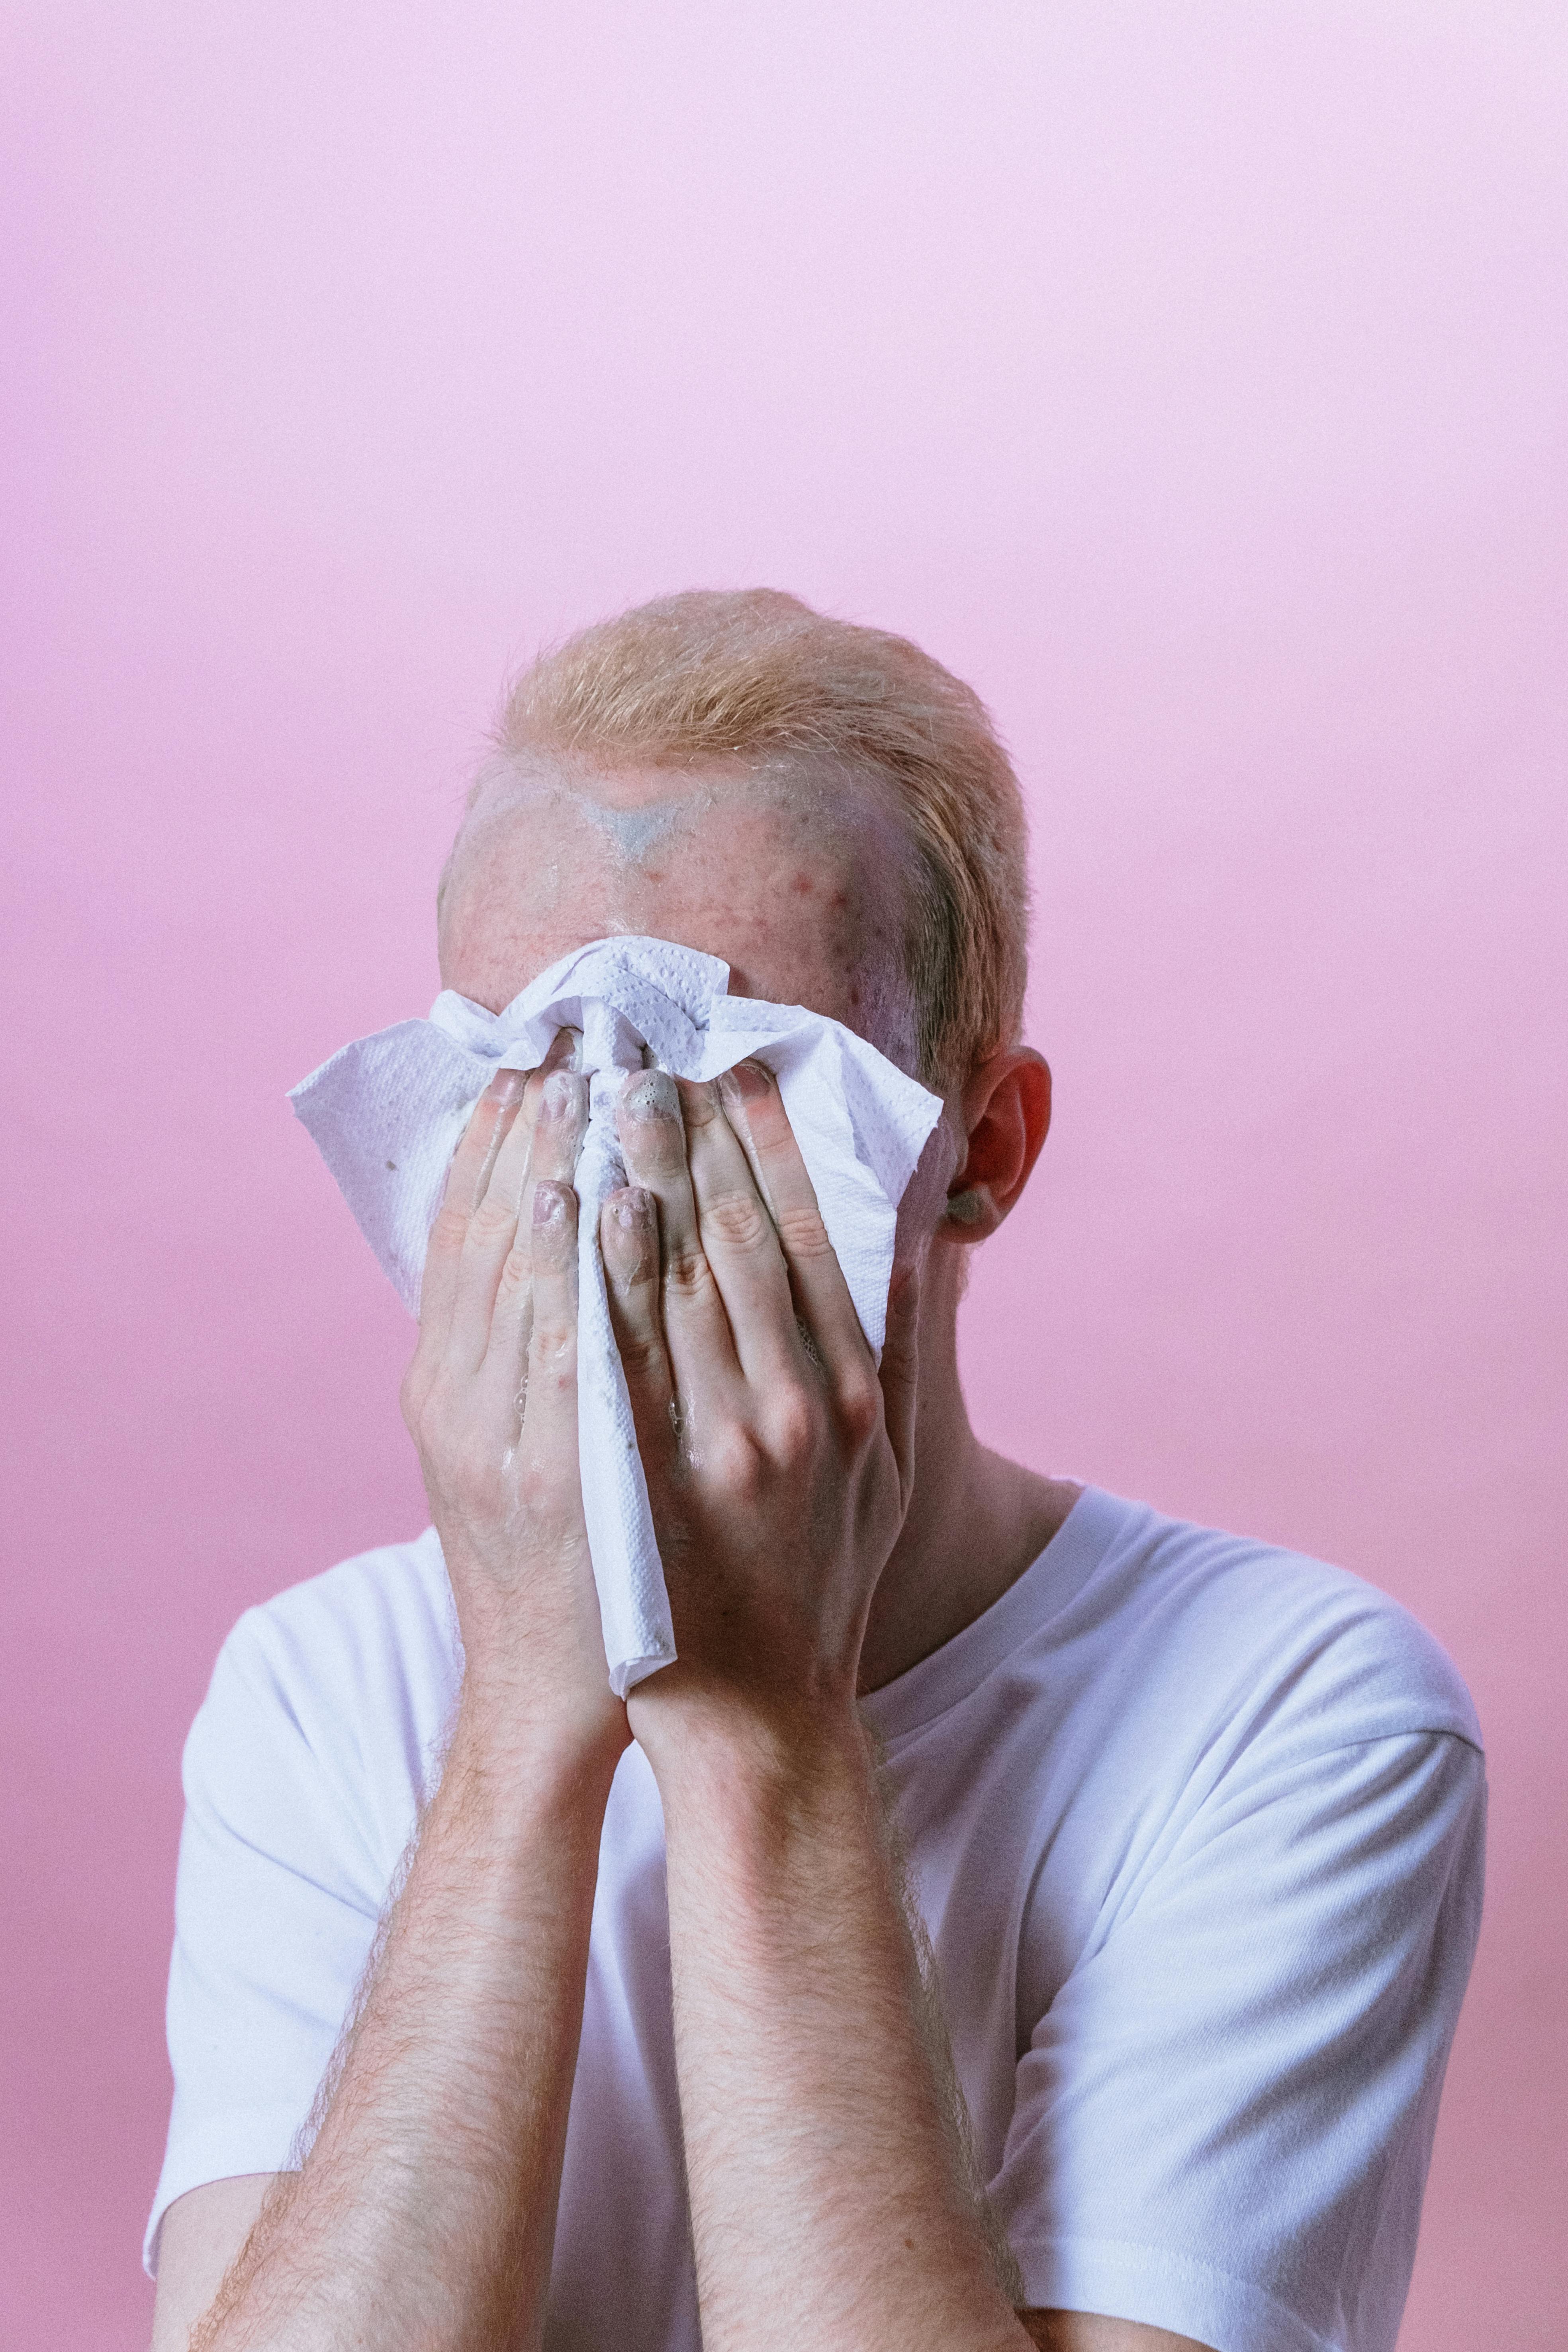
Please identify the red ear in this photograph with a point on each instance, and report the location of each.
(1007, 1114)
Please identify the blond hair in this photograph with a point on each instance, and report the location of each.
(756, 675)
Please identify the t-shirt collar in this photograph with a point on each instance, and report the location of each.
(1053, 1579)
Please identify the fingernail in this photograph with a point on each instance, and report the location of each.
(559, 1095)
(506, 1085)
(630, 1209)
(549, 1204)
(746, 1082)
(650, 1094)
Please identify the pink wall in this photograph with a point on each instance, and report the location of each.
(1194, 381)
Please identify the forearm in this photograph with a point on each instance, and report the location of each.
(425, 2211)
(830, 2196)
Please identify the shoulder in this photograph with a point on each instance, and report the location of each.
(341, 1686)
(1271, 1637)
(381, 1620)
(1250, 1896)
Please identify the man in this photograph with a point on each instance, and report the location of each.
(1015, 1917)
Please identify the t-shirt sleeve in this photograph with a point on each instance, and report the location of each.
(278, 1896)
(1223, 2119)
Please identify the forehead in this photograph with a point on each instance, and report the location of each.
(797, 879)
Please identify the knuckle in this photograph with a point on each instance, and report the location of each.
(451, 1224)
(859, 1406)
(491, 1220)
(794, 1427)
(641, 1354)
(738, 1221)
(738, 1464)
(515, 1274)
(688, 1275)
(552, 1353)
(803, 1233)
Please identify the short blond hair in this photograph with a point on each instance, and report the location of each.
(756, 675)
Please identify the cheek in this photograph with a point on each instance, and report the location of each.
(924, 1204)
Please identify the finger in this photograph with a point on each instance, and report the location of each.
(510, 1173)
(513, 1094)
(754, 1106)
(629, 1243)
(467, 1179)
(552, 1121)
(551, 1481)
(563, 1047)
(508, 1163)
(652, 1132)
(559, 1126)
(510, 1176)
(740, 1242)
(543, 1140)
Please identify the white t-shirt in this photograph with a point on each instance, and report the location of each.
(1195, 1826)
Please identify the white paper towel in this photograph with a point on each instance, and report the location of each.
(387, 1111)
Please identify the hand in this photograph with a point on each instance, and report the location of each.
(490, 1399)
(779, 1465)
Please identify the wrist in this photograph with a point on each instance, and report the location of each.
(512, 1752)
(718, 1758)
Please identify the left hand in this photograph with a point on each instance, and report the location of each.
(490, 1399)
(779, 1464)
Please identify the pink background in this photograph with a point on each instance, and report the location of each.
(1192, 379)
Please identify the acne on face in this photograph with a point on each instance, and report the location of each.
(797, 881)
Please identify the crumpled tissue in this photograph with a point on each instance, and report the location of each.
(387, 1111)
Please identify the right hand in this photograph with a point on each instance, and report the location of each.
(490, 1399)
(779, 1459)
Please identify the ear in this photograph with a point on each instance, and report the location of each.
(1007, 1113)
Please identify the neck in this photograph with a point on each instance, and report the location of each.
(975, 1520)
